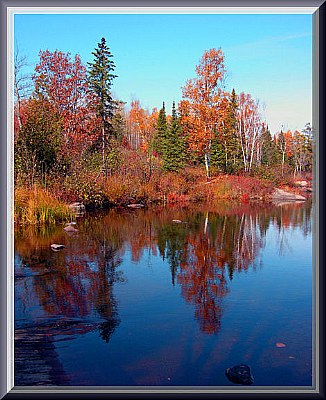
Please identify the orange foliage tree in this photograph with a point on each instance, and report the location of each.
(140, 125)
(200, 109)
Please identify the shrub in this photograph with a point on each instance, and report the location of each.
(242, 188)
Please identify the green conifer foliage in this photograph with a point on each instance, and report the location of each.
(161, 132)
(100, 77)
(174, 145)
(269, 155)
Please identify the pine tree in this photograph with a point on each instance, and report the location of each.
(269, 150)
(233, 147)
(100, 79)
(218, 153)
(161, 132)
(173, 148)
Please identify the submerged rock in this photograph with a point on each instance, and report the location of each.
(240, 374)
(57, 247)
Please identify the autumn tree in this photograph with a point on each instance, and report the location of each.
(250, 128)
(39, 141)
(100, 76)
(225, 144)
(22, 85)
(141, 126)
(203, 95)
(301, 152)
(62, 81)
(284, 140)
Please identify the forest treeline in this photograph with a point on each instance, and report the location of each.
(74, 139)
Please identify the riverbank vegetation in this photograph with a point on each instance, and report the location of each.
(75, 142)
(39, 206)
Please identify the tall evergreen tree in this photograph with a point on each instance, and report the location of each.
(269, 152)
(174, 145)
(218, 152)
(100, 76)
(161, 132)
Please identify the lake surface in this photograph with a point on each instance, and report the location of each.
(139, 299)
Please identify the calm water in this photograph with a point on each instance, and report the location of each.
(136, 298)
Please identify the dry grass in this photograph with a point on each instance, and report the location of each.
(38, 206)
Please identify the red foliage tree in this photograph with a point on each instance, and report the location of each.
(63, 83)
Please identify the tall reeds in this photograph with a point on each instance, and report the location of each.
(39, 206)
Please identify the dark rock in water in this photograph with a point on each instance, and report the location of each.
(57, 247)
(240, 374)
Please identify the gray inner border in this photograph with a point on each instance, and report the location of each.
(5, 206)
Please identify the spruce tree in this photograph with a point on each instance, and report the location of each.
(217, 152)
(100, 77)
(173, 148)
(161, 132)
(233, 147)
(269, 150)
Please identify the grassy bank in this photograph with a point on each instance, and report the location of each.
(39, 206)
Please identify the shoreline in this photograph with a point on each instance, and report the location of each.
(39, 206)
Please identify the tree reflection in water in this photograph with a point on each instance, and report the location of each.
(68, 293)
(64, 294)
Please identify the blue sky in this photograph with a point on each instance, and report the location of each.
(268, 56)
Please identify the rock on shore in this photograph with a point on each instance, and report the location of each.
(281, 195)
(77, 208)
